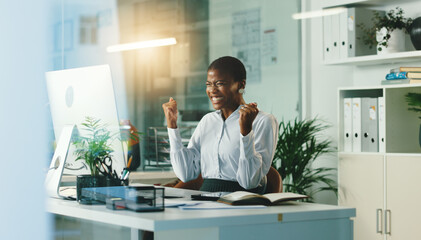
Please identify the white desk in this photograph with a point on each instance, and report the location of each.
(291, 221)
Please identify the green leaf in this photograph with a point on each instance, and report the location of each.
(95, 145)
(300, 143)
(414, 102)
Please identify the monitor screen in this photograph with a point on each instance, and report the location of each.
(77, 93)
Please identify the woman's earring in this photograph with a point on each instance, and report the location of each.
(241, 90)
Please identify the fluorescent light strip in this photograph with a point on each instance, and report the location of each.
(319, 13)
(142, 44)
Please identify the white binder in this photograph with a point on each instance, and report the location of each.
(351, 43)
(335, 36)
(382, 125)
(347, 125)
(327, 37)
(369, 125)
(343, 35)
(356, 124)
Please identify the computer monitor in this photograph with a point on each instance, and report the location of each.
(75, 94)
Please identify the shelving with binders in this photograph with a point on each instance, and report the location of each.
(158, 146)
(342, 34)
(377, 120)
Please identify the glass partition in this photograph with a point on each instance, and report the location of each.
(260, 33)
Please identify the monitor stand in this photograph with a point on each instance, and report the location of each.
(53, 179)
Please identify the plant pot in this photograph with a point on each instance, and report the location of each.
(415, 33)
(85, 181)
(396, 43)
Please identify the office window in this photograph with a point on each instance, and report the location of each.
(87, 30)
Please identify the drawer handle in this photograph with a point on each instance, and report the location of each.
(388, 222)
(379, 220)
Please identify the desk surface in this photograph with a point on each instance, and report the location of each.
(176, 219)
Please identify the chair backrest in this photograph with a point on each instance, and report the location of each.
(274, 182)
(192, 185)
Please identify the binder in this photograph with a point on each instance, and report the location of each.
(347, 125)
(343, 34)
(382, 125)
(335, 36)
(369, 125)
(356, 124)
(327, 37)
(351, 41)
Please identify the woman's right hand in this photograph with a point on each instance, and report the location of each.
(171, 113)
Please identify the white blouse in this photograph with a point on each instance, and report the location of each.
(218, 150)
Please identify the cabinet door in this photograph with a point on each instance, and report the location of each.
(403, 196)
(361, 186)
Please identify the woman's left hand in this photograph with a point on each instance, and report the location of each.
(248, 113)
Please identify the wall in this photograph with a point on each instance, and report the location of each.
(278, 92)
(23, 60)
(322, 81)
(73, 53)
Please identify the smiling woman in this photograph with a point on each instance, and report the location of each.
(231, 147)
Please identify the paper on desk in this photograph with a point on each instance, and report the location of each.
(69, 192)
(178, 202)
(217, 205)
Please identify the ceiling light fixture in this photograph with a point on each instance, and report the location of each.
(319, 13)
(141, 44)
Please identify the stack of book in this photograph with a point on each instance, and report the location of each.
(403, 75)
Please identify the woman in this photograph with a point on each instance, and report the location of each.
(232, 147)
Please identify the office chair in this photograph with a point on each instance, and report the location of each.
(274, 182)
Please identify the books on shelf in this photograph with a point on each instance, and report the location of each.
(248, 198)
(403, 75)
(413, 75)
(401, 81)
(396, 75)
(405, 69)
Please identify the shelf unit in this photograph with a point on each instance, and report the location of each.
(409, 56)
(352, 3)
(381, 185)
(400, 136)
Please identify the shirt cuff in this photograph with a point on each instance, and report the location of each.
(175, 139)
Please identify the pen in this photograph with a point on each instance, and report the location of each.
(123, 173)
(130, 161)
(127, 175)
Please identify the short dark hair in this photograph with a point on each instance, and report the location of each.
(229, 65)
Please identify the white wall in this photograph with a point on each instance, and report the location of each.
(23, 129)
(278, 92)
(321, 81)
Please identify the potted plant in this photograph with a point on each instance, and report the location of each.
(387, 32)
(94, 147)
(414, 103)
(299, 145)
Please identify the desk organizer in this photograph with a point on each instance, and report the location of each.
(139, 199)
(145, 199)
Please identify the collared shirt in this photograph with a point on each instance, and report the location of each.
(218, 150)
